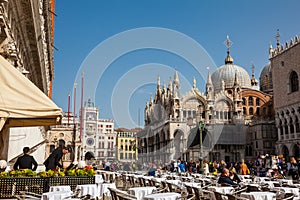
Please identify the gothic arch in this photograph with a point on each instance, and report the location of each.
(285, 152)
(293, 82)
(179, 143)
(296, 151)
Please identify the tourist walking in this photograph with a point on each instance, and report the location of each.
(244, 168)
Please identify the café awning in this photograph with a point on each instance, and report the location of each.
(22, 103)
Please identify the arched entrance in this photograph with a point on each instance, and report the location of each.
(178, 144)
(285, 152)
(296, 151)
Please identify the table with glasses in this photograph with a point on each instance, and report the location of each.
(162, 196)
(140, 192)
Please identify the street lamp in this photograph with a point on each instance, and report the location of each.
(201, 127)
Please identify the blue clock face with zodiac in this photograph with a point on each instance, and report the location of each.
(90, 141)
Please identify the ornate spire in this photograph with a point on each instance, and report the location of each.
(271, 50)
(228, 44)
(176, 79)
(209, 81)
(194, 83)
(254, 82)
(158, 82)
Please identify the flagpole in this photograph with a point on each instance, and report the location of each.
(74, 115)
(69, 108)
(81, 105)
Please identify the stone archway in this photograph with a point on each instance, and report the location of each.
(296, 151)
(178, 144)
(285, 152)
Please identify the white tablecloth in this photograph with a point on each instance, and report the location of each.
(176, 182)
(65, 188)
(91, 189)
(103, 188)
(99, 178)
(223, 190)
(140, 192)
(162, 196)
(57, 195)
(259, 195)
(192, 184)
(289, 190)
(287, 181)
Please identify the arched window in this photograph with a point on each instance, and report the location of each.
(244, 101)
(244, 110)
(250, 111)
(286, 130)
(297, 125)
(257, 111)
(281, 127)
(291, 126)
(250, 101)
(257, 101)
(294, 82)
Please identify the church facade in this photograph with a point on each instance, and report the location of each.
(228, 119)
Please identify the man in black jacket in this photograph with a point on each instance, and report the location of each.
(26, 161)
(55, 157)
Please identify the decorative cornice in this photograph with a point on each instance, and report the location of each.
(282, 48)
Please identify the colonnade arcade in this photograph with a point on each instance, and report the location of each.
(288, 124)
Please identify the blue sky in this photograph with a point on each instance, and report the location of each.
(122, 46)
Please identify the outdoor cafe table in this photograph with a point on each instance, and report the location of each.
(103, 188)
(162, 196)
(223, 189)
(56, 195)
(259, 195)
(289, 190)
(91, 189)
(140, 192)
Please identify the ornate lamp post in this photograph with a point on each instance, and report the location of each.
(201, 127)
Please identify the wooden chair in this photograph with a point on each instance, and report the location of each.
(165, 186)
(288, 196)
(76, 194)
(218, 195)
(234, 197)
(206, 194)
(252, 188)
(173, 188)
(240, 190)
(117, 194)
(123, 196)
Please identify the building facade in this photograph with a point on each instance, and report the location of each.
(26, 41)
(219, 118)
(285, 62)
(97, 135)
(68, 133)
(127, 145)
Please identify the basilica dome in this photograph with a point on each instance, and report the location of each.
(265, 79)
(227, 74)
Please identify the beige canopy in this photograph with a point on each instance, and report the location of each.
(22, 103)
